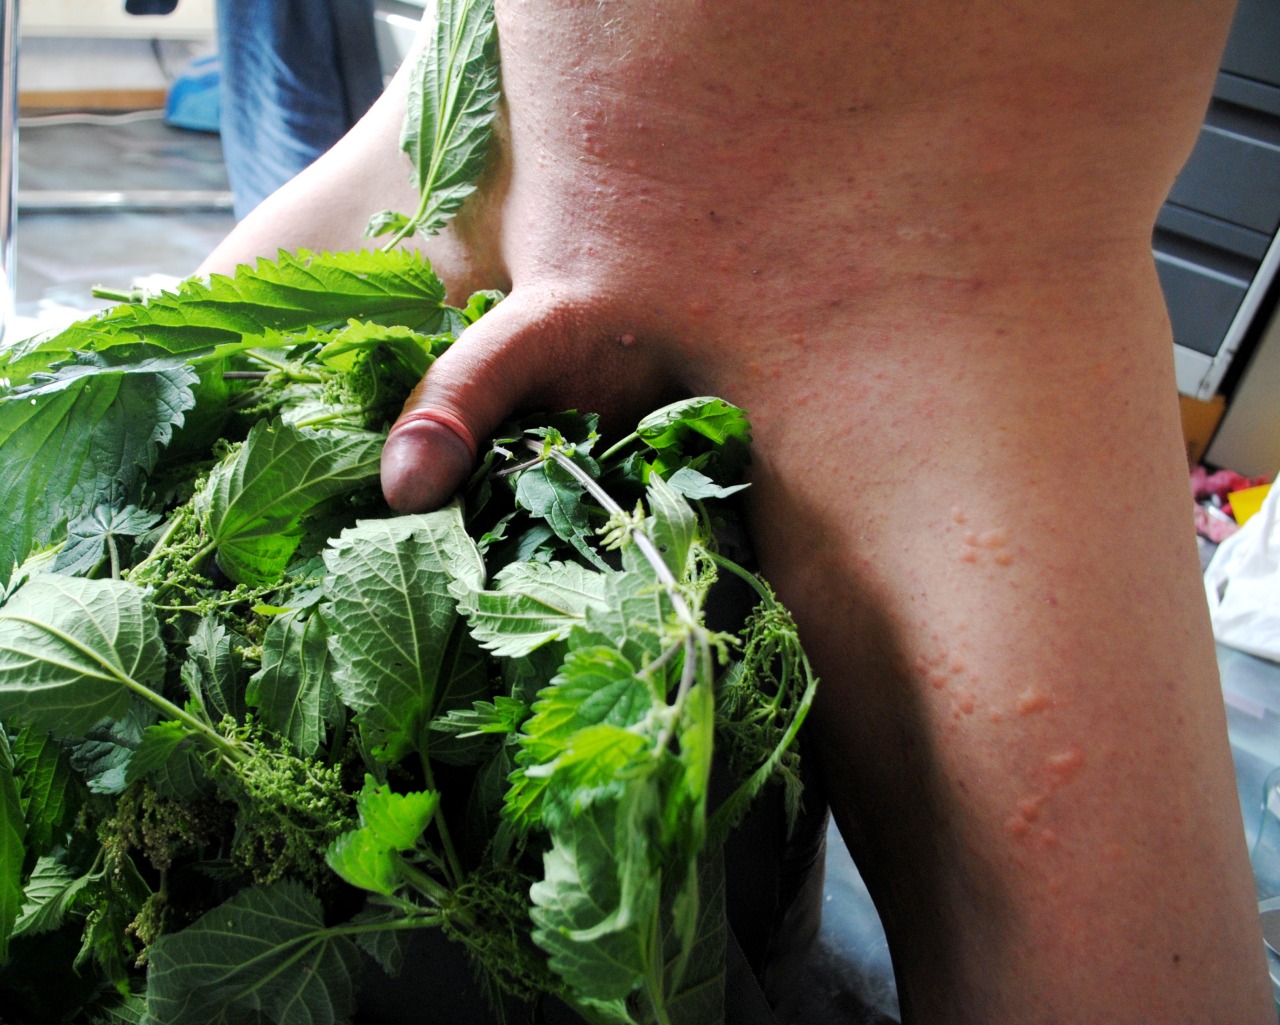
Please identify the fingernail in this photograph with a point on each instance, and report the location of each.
(427, 456)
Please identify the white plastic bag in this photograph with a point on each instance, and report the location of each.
(1242, 582)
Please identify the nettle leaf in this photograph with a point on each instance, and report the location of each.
(463, 680)
(214, 670)
(391, 614)
(66, 440)
(294, 691)
(102, 758)
(129, 1009)
(385, 222)
(595, 686)
(13, 852)
(674, 527)
(698, 486)
(501, 716)
(90, 536)
(549, 492)
(531, 605)
(51, 793)
(635, 612)
(411, 351)
(385, 942)
(253, 504)
(675, 425)
(694, 967)
(368, 857)
(174, 758)
(259, 306)
(51, 894)
(453, 96)
(73, 651)
(597, 905)
(265, 956)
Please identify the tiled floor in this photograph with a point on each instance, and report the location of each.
(62, 254)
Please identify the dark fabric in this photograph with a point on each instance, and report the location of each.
(296, 75)
(150, 6)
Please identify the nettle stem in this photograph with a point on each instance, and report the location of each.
(162, 543)
(697, 648)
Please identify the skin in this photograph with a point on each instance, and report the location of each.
(913, 241)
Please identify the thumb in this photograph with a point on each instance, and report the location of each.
(529, 349)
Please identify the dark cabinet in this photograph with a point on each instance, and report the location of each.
(1215, 239)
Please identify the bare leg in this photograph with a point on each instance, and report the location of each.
(913, 240)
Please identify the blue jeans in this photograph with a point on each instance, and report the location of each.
(296, 74)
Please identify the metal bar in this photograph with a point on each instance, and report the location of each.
(44, 201)
(8, 156)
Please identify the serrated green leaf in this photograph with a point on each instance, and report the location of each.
(130, 1009)
(463, 680)
(549, 492)
(706, 416)
(51, 794)
(478, 304)
(596, 685)
(396, 820)
(252, 505)
(694, 969)
(391, 614)
(66, 440)
(214, 670)
(13, 852)
(50, 894)
(368, 857)
(385, 222)
(294, 691)
(411, 351)
(597, 762)
(453, 95)
(361, 860)
(694, 485)
(173, 758)
(674, 527)
(596, 907)
(73, 651)
(388, 945)
(531, 605)
(265, 956)
(259, 306)
(90, 535)
(502, 715)
(102, 758)
(635, 614)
